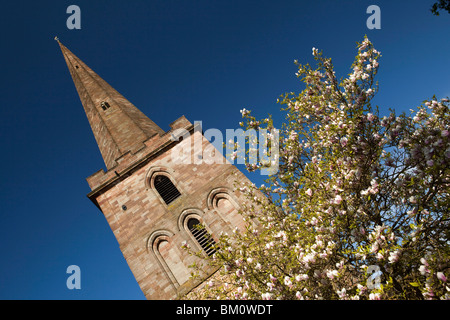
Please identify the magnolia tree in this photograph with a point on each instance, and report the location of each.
(359, 208)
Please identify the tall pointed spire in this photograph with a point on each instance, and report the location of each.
(118, 126)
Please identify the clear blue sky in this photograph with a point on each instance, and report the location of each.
(202, 59)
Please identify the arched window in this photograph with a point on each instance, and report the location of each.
(226, 206)
(169, 257)
(202, 236)
(166, 189)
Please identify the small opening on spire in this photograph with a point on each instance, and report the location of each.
(105, 105)
(76, 67)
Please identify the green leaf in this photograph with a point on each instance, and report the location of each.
(415, 284)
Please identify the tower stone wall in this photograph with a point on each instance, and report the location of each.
(150, 233)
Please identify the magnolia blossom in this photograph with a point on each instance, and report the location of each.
(288, 281)
(309, 258)
(394, 256)
(332, 274)
(239, 273)
(375, 296)
(301, 277)
(337, 199)
(244, 112)
(266, 296)
(424, 262)
(185, 245)
(441, 276)
(423, 270)
(270, 285)
(303, 239)
(342, 293)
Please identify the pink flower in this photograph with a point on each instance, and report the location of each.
(342, 293)
(370, 117)
(301, 277)
(293, 135)
(309, 258)
(239, 273)
(332, 274)
(344, 141)
(338, 199)
(269, 245)
(266, 296)
(374, 296)
(287, 281)
(441, 276)
(423, 270)
(393, 257)
(185, 245)
(309, 192)
(374, 247)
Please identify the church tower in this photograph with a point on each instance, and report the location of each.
(158, 186)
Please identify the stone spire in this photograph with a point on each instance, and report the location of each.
(118, 126)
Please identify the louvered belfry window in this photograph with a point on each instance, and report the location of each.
(166, 189)
(202, 236)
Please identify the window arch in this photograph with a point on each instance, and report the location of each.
(166, 188)
(222, 201)
(203, 238)
(168, 255)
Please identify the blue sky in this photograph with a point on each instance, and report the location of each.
(202, 59)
